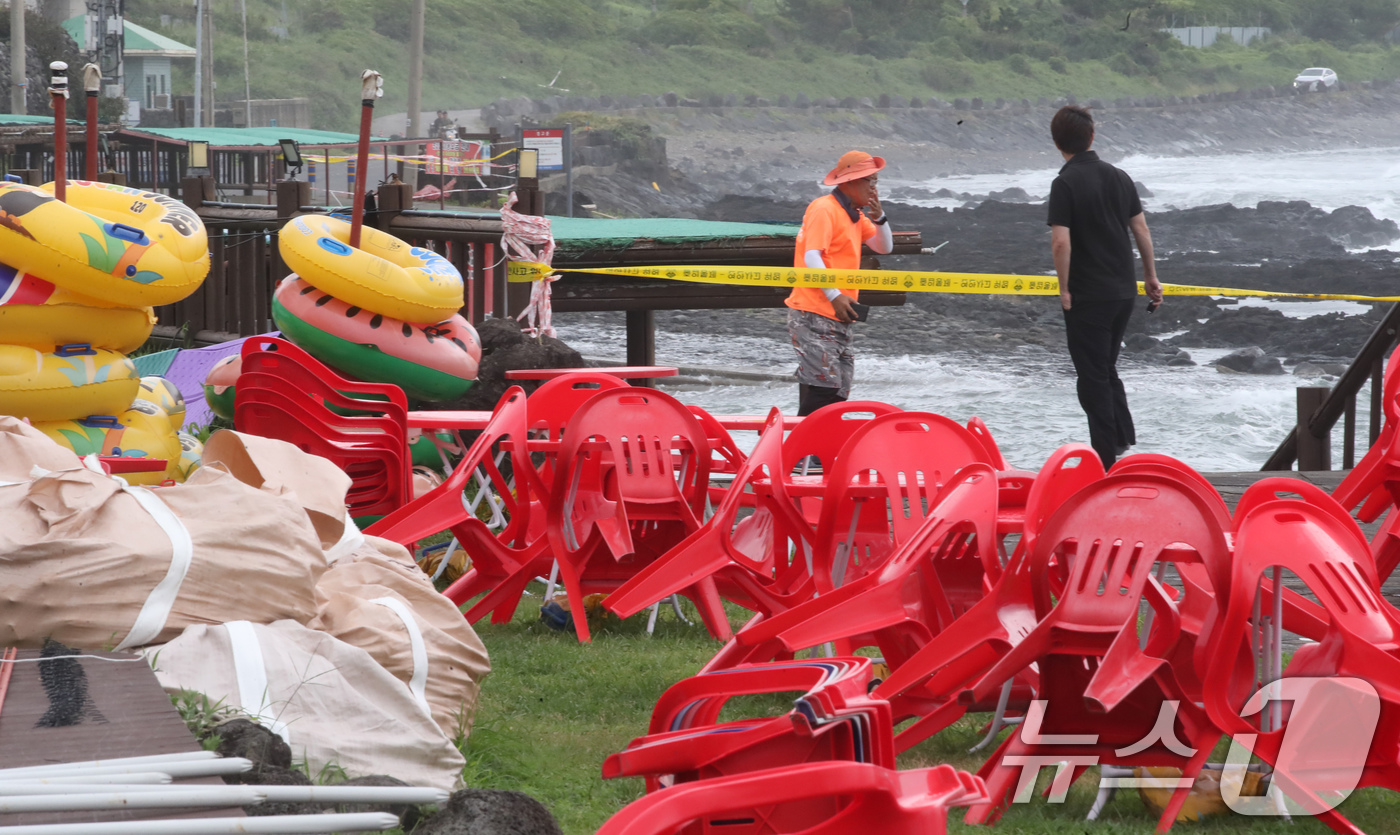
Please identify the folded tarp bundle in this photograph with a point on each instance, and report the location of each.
(93, 562)
(379, 600)
(331, 702)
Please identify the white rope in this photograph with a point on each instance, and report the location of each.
(520, 232)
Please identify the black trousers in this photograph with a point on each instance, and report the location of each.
(1095, 331)
(812, 398)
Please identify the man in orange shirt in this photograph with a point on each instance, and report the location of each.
(819, 320)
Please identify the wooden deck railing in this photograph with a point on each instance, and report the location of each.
(1309, 443)
(245, 267)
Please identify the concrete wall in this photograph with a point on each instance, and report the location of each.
(1202, 36)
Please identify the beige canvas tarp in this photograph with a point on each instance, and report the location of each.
(379, 600)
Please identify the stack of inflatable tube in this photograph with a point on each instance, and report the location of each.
(383, 312)
(76, 294)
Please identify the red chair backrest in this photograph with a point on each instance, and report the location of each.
(640, 428)
(550, 406)
(1112, 534)
(826, 430)
(912, 454)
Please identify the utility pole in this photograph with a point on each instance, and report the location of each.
(19, 82)
(208, 36)
(247, 75)
(199, 63)
(415, 68)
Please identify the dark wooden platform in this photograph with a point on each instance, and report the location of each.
(86, 709)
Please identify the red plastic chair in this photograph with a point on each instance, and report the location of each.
(742, 552)
(371, 450)
(821, 435)
(503, 561)
(978, 428)
(834, 719)
(881, 487)
(932, 579)
(369, 442)
(1366, 484)
(725, 456)
(1098, 681)
(627, 456)
(974, 642)
(831, 798)
(1314, 538)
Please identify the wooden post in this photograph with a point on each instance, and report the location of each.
(371, 87)
(291, 196)
(641, 339)
(1314, 452)
(58, 94)
(196, 191)
(393, 199)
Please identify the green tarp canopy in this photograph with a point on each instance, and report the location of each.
(246, 137)
(593, 233)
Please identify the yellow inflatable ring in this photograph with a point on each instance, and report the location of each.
(73, 382)
(385, 275)
(36, 313)
(143, 431)
(166, 396)
(118, 245)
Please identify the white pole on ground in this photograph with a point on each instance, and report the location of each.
(275, 794)
(177, 770)
(165, 799)
(279, 824)
(148, 778)
(184, 756)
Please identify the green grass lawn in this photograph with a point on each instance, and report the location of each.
(553, 709)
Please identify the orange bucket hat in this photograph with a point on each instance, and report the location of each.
(853, 165)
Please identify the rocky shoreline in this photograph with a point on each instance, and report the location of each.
(761, 164)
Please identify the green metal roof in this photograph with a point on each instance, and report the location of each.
(136, 39)
(11, 119)
(571, 232)
(247, 137)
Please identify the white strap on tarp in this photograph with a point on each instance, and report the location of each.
(150, 621)
(350, 539)
(418, 682)
(251, 672)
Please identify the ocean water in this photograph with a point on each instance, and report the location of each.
(1329, 179)
(1211, 420)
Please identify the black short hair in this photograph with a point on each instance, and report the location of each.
(1072, 129)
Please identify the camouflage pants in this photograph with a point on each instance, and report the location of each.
(824, 354)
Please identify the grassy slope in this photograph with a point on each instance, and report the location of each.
(553, 709)
(478, 51)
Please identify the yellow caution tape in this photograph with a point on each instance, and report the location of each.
(903, 281)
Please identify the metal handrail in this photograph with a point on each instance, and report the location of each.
(1369, 365)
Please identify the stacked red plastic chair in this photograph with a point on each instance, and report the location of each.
(833, 719)
(829, 798)
(287, 394)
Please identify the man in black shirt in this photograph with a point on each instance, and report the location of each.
(1093, 207)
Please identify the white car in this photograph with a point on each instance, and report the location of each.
(1315, 77)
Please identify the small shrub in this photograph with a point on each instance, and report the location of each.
(1020, 64)
(946, 76)
(1058, 65)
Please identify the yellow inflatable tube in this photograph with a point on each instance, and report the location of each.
(34, 312)
(384, 275)
(118, 245)
(70, 383)
(143, 431)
